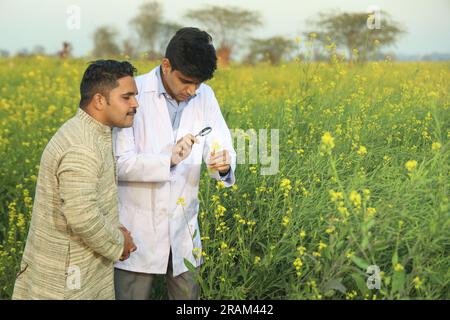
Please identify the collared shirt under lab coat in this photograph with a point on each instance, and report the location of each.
(149, 189)
(176, 109)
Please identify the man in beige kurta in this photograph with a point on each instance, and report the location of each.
(74, 235)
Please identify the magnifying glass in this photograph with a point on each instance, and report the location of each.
(204, 132)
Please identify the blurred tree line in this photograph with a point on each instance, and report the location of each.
(357, 37)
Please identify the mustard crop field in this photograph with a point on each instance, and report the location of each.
(361, 192)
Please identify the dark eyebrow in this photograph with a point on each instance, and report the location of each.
(188, 81)
(129, 94)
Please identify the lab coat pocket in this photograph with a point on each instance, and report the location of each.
(139, 223)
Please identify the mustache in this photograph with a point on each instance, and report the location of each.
(132, 112)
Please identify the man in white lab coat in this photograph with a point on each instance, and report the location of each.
(159, 161)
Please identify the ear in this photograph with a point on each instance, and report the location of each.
(99, 102)
(166, 67)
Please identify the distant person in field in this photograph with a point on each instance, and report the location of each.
(75, 236)
(159, 161)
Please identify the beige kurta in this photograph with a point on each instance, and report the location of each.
(74, 238)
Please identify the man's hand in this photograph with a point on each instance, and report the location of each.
(182, 149)
(220, 161)
(129, 245)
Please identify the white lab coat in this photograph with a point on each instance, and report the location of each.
(149, 189)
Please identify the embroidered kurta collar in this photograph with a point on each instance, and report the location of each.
(93, 123)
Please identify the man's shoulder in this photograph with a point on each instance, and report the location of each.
(65, 137)
(68, 132)
(146, 78)
(206, 96)
(206, 89)
(142, 78)
(72, 135)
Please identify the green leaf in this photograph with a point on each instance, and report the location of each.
(189, 265)
(365, 243)
(395, 258)
(398, 281)
(335, 284)
(360, 282)
(360, 262)
(329, 293)
(370, 224)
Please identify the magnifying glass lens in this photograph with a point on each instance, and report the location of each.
(204, 131)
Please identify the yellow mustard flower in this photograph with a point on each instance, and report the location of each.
(411, 165)
(362, 151)
(398, 267)
(435, 146)
(181, 202)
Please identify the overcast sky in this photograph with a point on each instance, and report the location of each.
(27, 23)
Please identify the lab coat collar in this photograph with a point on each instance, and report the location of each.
(151, 83)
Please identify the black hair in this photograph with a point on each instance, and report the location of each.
(191, 52)
(101, 77)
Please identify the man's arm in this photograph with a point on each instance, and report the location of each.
(78, 176)
(139, 167)
(220, 138)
